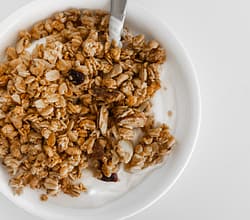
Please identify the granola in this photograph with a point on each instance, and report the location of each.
(76, 102)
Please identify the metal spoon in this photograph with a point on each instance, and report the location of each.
(116, 22)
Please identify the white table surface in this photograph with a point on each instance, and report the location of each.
(216, 183)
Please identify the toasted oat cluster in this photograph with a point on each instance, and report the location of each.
(77, 102)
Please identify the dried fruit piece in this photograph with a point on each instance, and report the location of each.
(112, 178)
(76, 77)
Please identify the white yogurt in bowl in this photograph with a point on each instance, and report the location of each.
(179, 94)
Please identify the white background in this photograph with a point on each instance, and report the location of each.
(216, 183)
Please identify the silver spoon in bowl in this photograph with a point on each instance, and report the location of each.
(116, 22)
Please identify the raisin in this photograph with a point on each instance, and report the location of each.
(112, 178)
(77, 101)
(76, 77)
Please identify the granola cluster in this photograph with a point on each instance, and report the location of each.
(77, 102)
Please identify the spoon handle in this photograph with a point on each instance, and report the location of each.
(118, 13)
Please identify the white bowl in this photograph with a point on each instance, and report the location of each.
(180, 74)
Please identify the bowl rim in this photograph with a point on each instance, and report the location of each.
(10, 20)
(198, 101)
